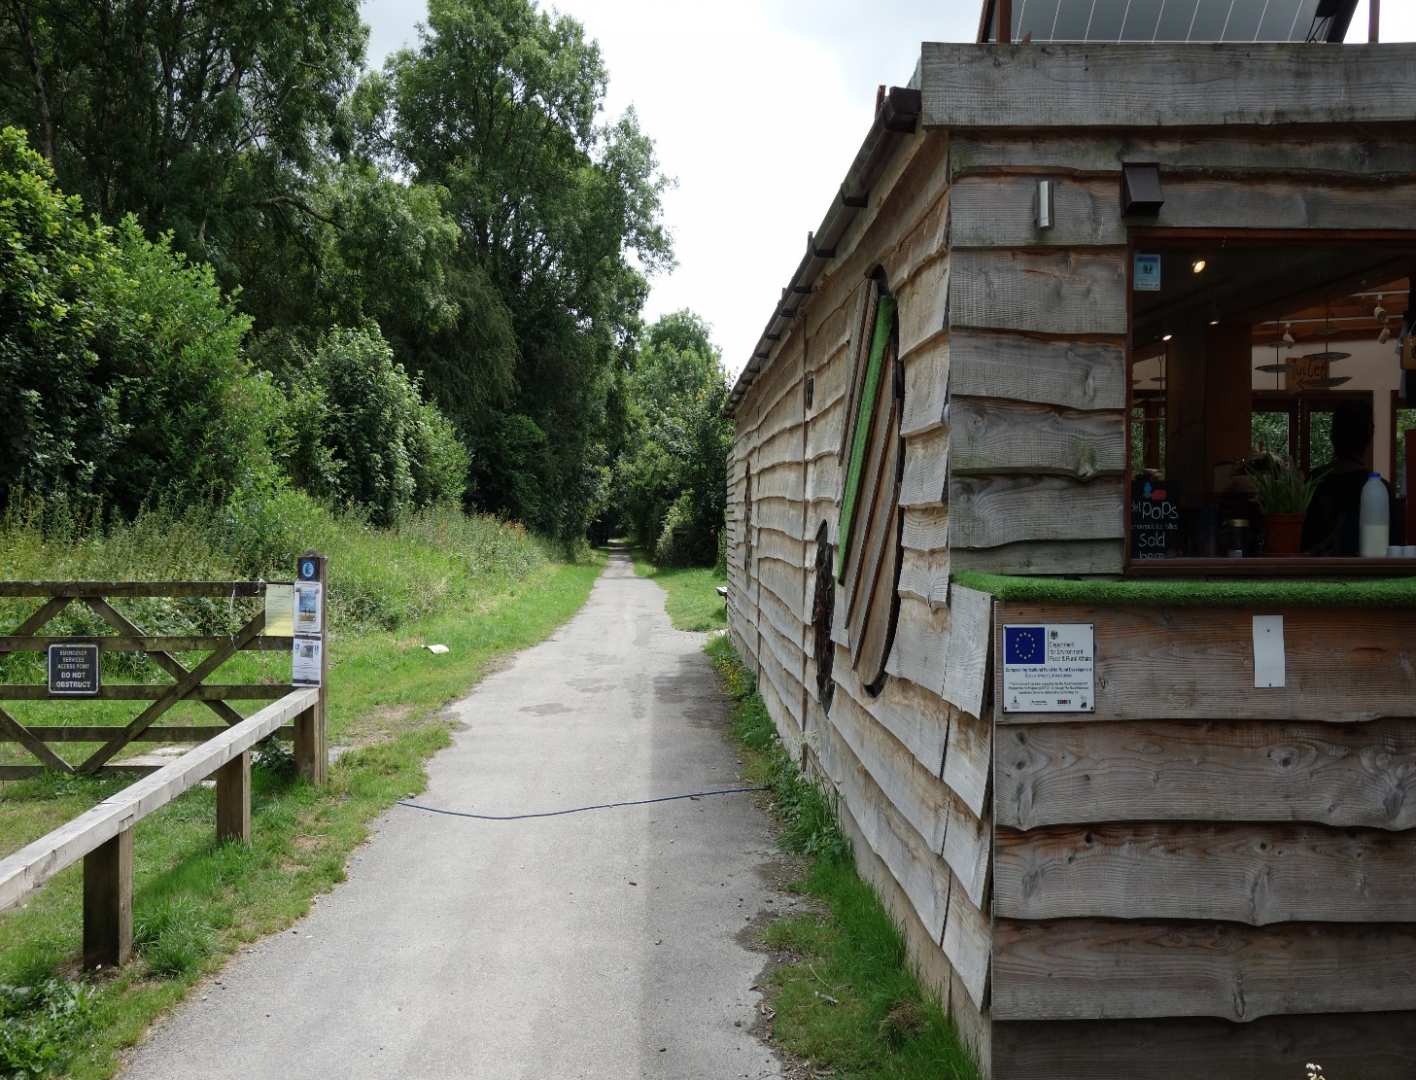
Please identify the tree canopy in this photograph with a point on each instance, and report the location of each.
(232, 241)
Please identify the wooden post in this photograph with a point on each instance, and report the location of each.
(1005, 22)
(233, 799)
(1374, 22)
(311, 749)
(108, 902)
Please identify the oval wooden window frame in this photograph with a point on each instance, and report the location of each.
(870, 553)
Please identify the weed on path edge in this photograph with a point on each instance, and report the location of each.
(844, 996)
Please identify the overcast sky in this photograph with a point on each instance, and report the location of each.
(757, 109)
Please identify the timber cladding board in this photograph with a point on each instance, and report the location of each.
(1073, 292)
(1086, 969)
(1355, 1046)
(1152, 85)
(986, 512)
(1068, 374)
(998, 211)
(1323, 152)
(1341, 775)
(1155, 663)
(991, 437)
(1079, 557)
(1244, 873)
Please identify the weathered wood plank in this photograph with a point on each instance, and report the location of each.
(1072, 292)
(1070, 374)
(926, 528)
(1183, 85)
(1362, 1046)
(77, 589)
(921, 639)
(1322, 153)
(967, 942)
(1343, 665)
(1072, 557)
(992, 437)
(968, 851)
(151, 692)
(101, 732)
(1347, 776)
(912, 714)
(926, 387)
(925, 576)
(926, 469)
(1000, 209)
(993, 511)
(1257, 874)
(924, 306)
(968, 759)
(233, 800)
(164, 643)
(108, 902)
(965, 681)
(1085, 969)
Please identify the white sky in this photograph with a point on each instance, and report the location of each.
(756, 109)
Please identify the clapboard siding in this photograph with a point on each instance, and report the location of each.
(1345, 776)
(988, 436)
(998, 211)
(1330, 153)
(909, 712)
(1355, 1046)
(924, 306)
(926, 528)
(1085, 969)
(1058, 558)
(1070, 292)
(924, 575)
(1184, 85)
(1068, 374)
(926, 387)
(968, 760)
(1255, 874)
(1343, 666)
(926, 465)
(987, 512)
(921, 637)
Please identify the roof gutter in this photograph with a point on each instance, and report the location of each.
(897, 116)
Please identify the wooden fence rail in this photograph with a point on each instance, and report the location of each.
(103, 836)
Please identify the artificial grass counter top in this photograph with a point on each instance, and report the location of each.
(1274, 593)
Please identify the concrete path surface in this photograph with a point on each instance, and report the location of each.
(602, 945)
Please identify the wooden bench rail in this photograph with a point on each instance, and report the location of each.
(221, 589)
(102, 835)
(103, 732)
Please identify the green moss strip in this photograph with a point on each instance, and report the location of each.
(1364, 592)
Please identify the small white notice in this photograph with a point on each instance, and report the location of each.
(309, 607)
(1049, 668)
(305, 662)
(279, 611)
(1270, 660)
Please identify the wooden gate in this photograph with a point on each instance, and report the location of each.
(188, 684)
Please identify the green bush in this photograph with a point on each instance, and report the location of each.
(121, 373)
(678, 544)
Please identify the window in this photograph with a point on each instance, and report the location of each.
(868, 559)
(1260, 366)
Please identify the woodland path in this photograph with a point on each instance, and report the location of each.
(603, 945)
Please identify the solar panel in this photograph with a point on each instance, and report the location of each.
(1177, 20)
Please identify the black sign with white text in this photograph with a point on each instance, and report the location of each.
(73, 670)
(1155, 521)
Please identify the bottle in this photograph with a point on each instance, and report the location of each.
(1375, 518)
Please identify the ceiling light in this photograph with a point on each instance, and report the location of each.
(1384, 336)
(1379, 313)
(1167, 337)
(1214, 322)
(1198, 266)
(1288, 338)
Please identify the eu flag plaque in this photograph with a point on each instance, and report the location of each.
(73, 670)
(1049, 668)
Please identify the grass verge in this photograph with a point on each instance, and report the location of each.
(693, 602)
(195, 901)
(846, 1000)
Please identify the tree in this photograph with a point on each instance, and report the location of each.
(670, 481)
(203, 120)
(499, 105)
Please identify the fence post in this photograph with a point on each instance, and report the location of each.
(311, 751)
(108, 902)
(233, 799)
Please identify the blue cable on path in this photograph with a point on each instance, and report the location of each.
(574, 810)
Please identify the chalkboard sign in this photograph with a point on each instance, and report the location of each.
(1155, 521)
(73, 670)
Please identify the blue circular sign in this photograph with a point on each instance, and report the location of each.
(307, 569)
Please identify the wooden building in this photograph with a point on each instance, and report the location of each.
(1193, 873)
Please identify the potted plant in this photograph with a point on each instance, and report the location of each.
(1284, 494)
